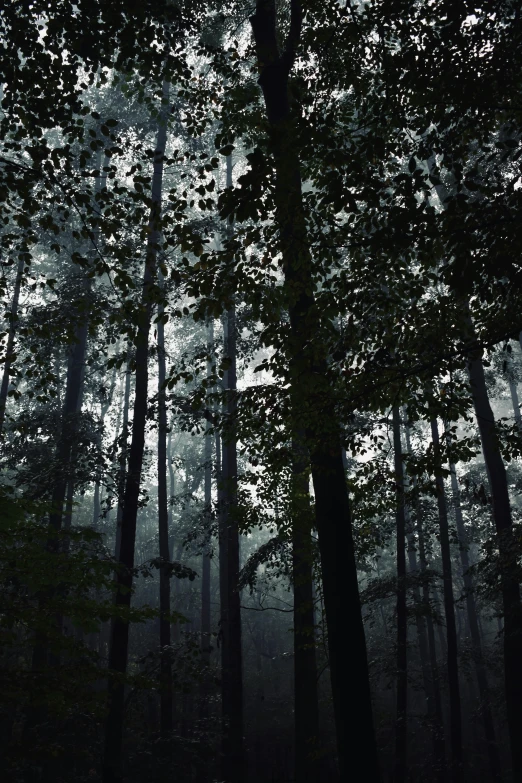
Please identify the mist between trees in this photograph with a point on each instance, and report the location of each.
(260, 432)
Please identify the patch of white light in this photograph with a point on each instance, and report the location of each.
(470, 21)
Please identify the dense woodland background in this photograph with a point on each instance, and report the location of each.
(260, 433)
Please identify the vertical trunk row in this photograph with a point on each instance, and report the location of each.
(480, 668)
(306, 703)
(163, 535)
(119, 640)
(233, 759)
(71, 408)
(449, 611)
(426, 635)
(205, 565)
(310, 387)
(233, 763)
(504, 528)
(402, 620)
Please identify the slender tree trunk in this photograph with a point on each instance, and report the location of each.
(96, 506)
(504, 528)
(402, 620)
(438, 723)
(119, 640)
(515, 401)
(480, 668)
(10, 352)
(429, 680)
(306, 700)
(429, 665)
(62, 493)
(307, 374)
(205, 565)
(233, 762)
(166, 703)
(449, 611)
(71, 407)
(63, 476)
(172, 492)
(64, 480)
(122, 467)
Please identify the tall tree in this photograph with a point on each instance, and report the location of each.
(122, 462)
(233, 761)
(449, 611)
(11, 335)
(425, 631)
(206, 560)
(119, 639)
(402, 620)
(480, 667)
(508, 572)
(166, 703)
(307, 371)
(106, 401)
(307, 755)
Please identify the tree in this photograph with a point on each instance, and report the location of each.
(308, 761)
(307, 372)
(9, 351)
(119, 640)
(402, 621)
(449, 611)
(230, 621)
(163, 525)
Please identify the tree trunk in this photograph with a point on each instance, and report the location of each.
(449, 611)
(402, 620)
(205, 565)
(306, 700)
(233, 762)
(166, 703)
(429, 676)
(122, 467)
(9, 352)
(480, 668)
(119, 639)
(63, 477)
(433, 690)
(73, 396)
(504, 529)
(307, 374)
(104, 409)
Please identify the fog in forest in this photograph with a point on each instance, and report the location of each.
(260, 427)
